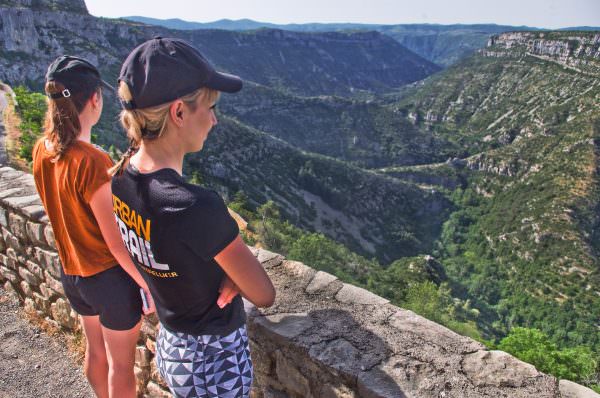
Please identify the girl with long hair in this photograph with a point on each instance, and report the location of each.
(99, 279)
(181, 235)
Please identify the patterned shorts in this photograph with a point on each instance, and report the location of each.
(206, 365)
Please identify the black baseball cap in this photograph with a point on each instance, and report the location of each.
(76, 74)
(161, 70)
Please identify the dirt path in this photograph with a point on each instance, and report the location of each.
(32, 364)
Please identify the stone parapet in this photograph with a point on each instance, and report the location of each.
(321, 338)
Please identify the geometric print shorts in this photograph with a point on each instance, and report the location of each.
(206, 365)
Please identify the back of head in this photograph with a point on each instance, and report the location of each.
(70, 82)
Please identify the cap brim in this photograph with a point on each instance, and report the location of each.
(224, 82)
(108, 86)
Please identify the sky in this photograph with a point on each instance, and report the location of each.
(535, 13)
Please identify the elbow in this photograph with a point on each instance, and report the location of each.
(267, 300)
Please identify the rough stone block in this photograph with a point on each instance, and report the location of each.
(11, 241)
(142, 376)
(2, 244)
(148, 328)
(154, 391)
(20, 202)
(254, 250)
(18, 226)
(250, 309)
(320, 281)
(289, 375)
(29, 277)
(270, 392)
(568, 389)
(142, 357)
(11, 291)
(352, 294)
(47, 293)
(151, 346)
(49, 235)
(285, 325)
(35, 232)
(11, 253)
(339, 354)
(378, 384)
(49, 260)
(155, 375)
(10, 192)
(497, 369)
(41, 302)
(35, 269)
(26, 289)
(3, 259)
(35, 212)
(61, 312)
(29, 306)
(269, 259)
(54, 284)
(411, 323)
(299, 270)
(329, 391)
(3, 218)
(261, 360)
(9, 275)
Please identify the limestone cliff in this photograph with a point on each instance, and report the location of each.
(75, 6)
(577, 50)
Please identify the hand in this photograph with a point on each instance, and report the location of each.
(228, 291)
(151, 307)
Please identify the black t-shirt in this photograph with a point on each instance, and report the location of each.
(172, 231)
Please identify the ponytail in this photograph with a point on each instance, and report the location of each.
(61, 124)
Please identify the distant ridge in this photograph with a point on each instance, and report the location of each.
(441, 44)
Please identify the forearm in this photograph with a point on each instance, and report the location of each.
(122, 257)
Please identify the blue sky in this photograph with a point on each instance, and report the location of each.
(538, 13)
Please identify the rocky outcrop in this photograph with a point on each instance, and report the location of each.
(34, 33)
(579, 50)
(322, 337)
(74, 6)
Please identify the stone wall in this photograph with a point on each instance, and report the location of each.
(321, 338)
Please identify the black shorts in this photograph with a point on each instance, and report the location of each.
(111, 294)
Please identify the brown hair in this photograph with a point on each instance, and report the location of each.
(151, 123)
(61, 124)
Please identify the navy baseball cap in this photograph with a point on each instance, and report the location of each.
(161, 70)
(76, 74)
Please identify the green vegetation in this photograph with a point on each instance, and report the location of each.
(532, 345)
(416, 283)
(31, 107)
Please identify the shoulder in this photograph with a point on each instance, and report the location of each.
(90, 154)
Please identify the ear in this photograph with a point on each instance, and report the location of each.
(176, 112)
(96, 99)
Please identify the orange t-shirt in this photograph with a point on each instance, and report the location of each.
(66, 188)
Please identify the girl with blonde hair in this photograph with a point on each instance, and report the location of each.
(181, 235)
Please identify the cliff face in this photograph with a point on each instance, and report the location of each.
(579, 50)
(74, 6)
(301, 63)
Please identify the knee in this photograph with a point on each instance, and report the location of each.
(94, 359)
(121, 369)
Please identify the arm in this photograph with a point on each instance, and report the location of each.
(247, 273)
(101, 204)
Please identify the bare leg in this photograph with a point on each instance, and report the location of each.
(120, 351)
(96, 363)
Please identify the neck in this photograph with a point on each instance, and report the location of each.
(158, 154)
(86, 130)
